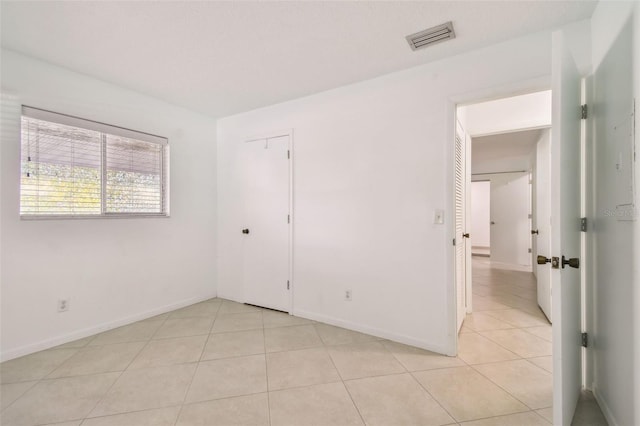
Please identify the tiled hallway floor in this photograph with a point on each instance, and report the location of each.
(223, 363)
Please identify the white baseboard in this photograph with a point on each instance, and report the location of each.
(86, 332)
(400, 338)
(606, 411)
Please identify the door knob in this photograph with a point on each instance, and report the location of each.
(466, 235)
(542, 260)
(555, 262)
(574, 262)
(245, 231)
(534, 232)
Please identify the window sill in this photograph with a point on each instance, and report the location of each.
(31, 217)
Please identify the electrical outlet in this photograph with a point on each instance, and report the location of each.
(347, 295)
(63, 305)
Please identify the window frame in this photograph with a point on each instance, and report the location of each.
(104, 130)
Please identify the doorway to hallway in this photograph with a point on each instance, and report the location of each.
(505, 333)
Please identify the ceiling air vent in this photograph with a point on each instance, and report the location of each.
(431, 36)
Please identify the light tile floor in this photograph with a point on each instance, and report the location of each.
(224, 363)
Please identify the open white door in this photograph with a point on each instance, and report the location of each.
(565, 232)
(266, 248)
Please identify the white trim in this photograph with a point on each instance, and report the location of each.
(515, 129)
(399, 338)
(80, 334)
(29, 217)
(291, 219)
(70, 120)
(450, 231)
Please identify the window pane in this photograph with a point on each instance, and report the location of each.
(60, 169)
(134, 176)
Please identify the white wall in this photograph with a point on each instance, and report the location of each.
(528, 111)
(113, 271)
(372, 161)
(481, 169)
(614, 332)
(636, 245)
(480, 214)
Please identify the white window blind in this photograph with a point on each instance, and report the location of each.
(134, 176)
(76, 167)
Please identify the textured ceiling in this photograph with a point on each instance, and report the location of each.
(221, 58)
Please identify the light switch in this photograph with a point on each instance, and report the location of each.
(438, 217)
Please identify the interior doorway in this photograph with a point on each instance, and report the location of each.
(507, 139)
(507, 205)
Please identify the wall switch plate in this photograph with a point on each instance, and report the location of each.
(438, 217)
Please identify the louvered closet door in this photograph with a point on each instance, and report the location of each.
(460, 226)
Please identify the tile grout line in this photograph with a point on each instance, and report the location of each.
(36, 382)
(266, 369)
(506, 390)
(518, 357)
(346, 388)
(116, 414)
(433, 397)
(510, 350)
(195, 371)
(344, 385)
(79, 349)
(122, 372)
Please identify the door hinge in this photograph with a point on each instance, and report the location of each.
(583, 224)
(454, 241)
(288, 218)
(530, 251)
(288, 285)
(584, 111)
(585, 340)
(288, 154)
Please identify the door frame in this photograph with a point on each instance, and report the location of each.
(524, 87)
(493, 93)
(290, 146)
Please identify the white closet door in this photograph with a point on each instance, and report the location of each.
(267, 222)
